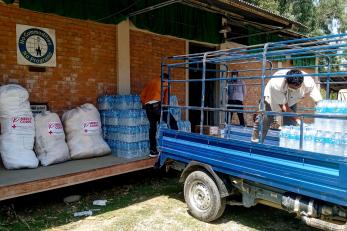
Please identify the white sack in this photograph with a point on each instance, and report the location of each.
(16, 152)
(17, 141)
(14, 100)
(83, 132)
(17, 128)
(50, 145)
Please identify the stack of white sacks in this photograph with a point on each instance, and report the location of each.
(324, 135)
(18, 128)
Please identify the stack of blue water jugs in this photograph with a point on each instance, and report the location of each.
(125, 125)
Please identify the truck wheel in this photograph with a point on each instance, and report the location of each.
(202, 197)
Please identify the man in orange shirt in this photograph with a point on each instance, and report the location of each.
(151, 99)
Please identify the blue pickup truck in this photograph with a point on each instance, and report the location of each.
(217, 171)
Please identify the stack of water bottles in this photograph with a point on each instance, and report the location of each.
(324, 135)
(125, 125)
(183, 125)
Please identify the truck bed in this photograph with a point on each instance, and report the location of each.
(312, 174)
(14, 183)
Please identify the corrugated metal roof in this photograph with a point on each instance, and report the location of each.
(250, 12)
(269, 12)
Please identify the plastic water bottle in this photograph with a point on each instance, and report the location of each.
(344, 113)
(324, 123)
(338, 143)
(339, 112)
(327, 110)
(297, 137)
(344, 144)
(328, 146)
(291, 138)
(284, 137)
(319, 111)
(333, 123)
(282, 140)
(319, 141)
(308, 144)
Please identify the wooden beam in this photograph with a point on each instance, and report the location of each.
(16, 190)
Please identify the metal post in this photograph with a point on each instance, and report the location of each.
(168, 96)
(262, 98)
(301, 132)
(162, 89)
(328, 79)
(203, 93)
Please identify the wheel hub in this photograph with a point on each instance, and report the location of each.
(201, 196)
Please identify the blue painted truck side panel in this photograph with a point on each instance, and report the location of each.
(312, 174)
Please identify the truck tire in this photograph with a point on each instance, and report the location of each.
(202, 197)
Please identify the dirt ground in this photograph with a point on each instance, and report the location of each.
(145, 200)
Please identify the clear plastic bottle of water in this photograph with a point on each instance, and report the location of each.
(344, 144)
(339, 110)
(344, 113)
(338, 143)
(284, 137)
(328, 146)
(297, 137)
(319, 111)
(291, 137)
(281, 135)
(308, 144)
(334, 123)
(324, 111)
(319, 141)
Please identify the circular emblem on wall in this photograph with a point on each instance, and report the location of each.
(36, 46)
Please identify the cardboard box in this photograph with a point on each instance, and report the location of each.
(208, 130)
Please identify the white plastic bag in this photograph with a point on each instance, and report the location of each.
(50, 145)
(14, 100)
(17, 128)
(83, 132)
(16, 152)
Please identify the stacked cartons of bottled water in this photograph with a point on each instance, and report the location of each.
(125, 125)
(324, 135)
(182, 125)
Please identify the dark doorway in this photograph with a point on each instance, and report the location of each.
(195, 88)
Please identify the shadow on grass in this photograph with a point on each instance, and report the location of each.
(47, 210)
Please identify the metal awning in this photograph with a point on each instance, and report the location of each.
(246, 13)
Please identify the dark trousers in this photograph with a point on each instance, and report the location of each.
(267, 121)
(153, 115)
(239, 114)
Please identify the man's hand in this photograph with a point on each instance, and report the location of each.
(286, 108)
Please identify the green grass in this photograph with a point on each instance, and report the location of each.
(145, 200)
(45, 210)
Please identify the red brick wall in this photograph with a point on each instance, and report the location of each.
(146, 52)
(86, 59)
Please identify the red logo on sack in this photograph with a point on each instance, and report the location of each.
(25, 120)
(21, 122)
(55, 128)
(56, 125)
(90, 126)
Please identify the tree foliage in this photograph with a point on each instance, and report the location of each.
(320, 16)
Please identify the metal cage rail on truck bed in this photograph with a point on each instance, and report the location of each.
(278, 172)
